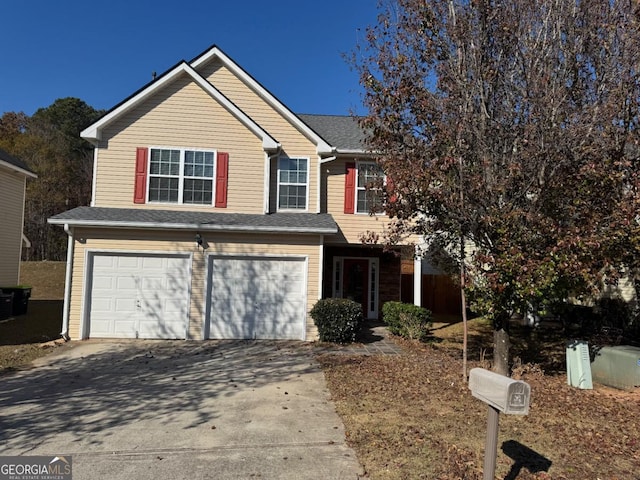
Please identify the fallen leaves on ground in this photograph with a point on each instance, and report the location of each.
(412, 416)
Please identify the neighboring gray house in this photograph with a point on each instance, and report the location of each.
(13, 180)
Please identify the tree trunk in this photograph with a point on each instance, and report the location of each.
(463, 298)
(636, 287)
(465, 334)
(501, 346)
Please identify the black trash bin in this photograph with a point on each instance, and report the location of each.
(21, 297)
(6, 305)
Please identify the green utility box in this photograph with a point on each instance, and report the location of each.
(578, 365)
(21, 297)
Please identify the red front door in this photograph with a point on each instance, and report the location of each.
(355, 278)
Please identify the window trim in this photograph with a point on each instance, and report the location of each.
(306, 184)
(181, 176)
(358, 189)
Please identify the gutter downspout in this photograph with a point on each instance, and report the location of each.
(267, 179)
(320, 266)
(321, 162)
(67, 282)
(94, 174)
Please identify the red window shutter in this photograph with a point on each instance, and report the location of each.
(140, 185)
(392, 196)
(350, 188)
(222, 175)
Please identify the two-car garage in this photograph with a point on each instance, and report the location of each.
(150, 295)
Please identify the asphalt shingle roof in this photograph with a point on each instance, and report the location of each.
(340, 131)
(315, 223)
(4, 156)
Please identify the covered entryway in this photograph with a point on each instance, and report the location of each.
(356, 278)
(256, 297)
(138, 296)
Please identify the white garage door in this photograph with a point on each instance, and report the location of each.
(256, 297)
(139, 296)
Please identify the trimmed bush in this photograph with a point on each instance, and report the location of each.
(407, 320)
(338, 319)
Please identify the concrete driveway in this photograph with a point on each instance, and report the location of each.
(178, 410)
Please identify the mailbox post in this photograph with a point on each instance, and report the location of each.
(502, 394)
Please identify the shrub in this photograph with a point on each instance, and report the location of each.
(407, 320)
(338, 319)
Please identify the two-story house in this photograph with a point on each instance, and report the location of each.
(219, 213)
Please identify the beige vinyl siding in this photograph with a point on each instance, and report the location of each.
(12, 187)
(184, 242)
(351, 226)
(181, 115)
(624, 290)
(294, 144)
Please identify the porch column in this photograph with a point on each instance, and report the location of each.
(417, 280)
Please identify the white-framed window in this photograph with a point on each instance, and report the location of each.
(293, 183)
(369, 195)
(181, 175)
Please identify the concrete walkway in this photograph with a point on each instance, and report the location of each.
(178, 410)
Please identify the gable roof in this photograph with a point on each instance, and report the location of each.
(14, 164)
(341, 131)
(215, 52)
(93, 132)
(303, 223)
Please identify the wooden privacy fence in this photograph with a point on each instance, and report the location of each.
(439, 294)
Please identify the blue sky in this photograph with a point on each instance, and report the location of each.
(101, 52)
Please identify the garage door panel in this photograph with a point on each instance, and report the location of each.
(125, 282)
(152, 284)
(126, 262)
(139, 296)
(103, 283)
(290, 286)
(125, 305)
(103, 304)
(174, 306)
(256, 297)
(124, 328)
(237, 330)
(154, 263)
(289, 305)
(103, 261)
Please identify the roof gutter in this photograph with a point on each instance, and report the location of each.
(355, 151)
(338, 152)
(192, 226)
(67, 282)
(15, 168)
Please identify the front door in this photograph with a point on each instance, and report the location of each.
(355, 282)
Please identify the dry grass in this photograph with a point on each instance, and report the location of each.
(45, 278)
(412, 416)
(22, 337)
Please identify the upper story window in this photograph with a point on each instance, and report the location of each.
(181, 176)
(293, 180)
(369, 194)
